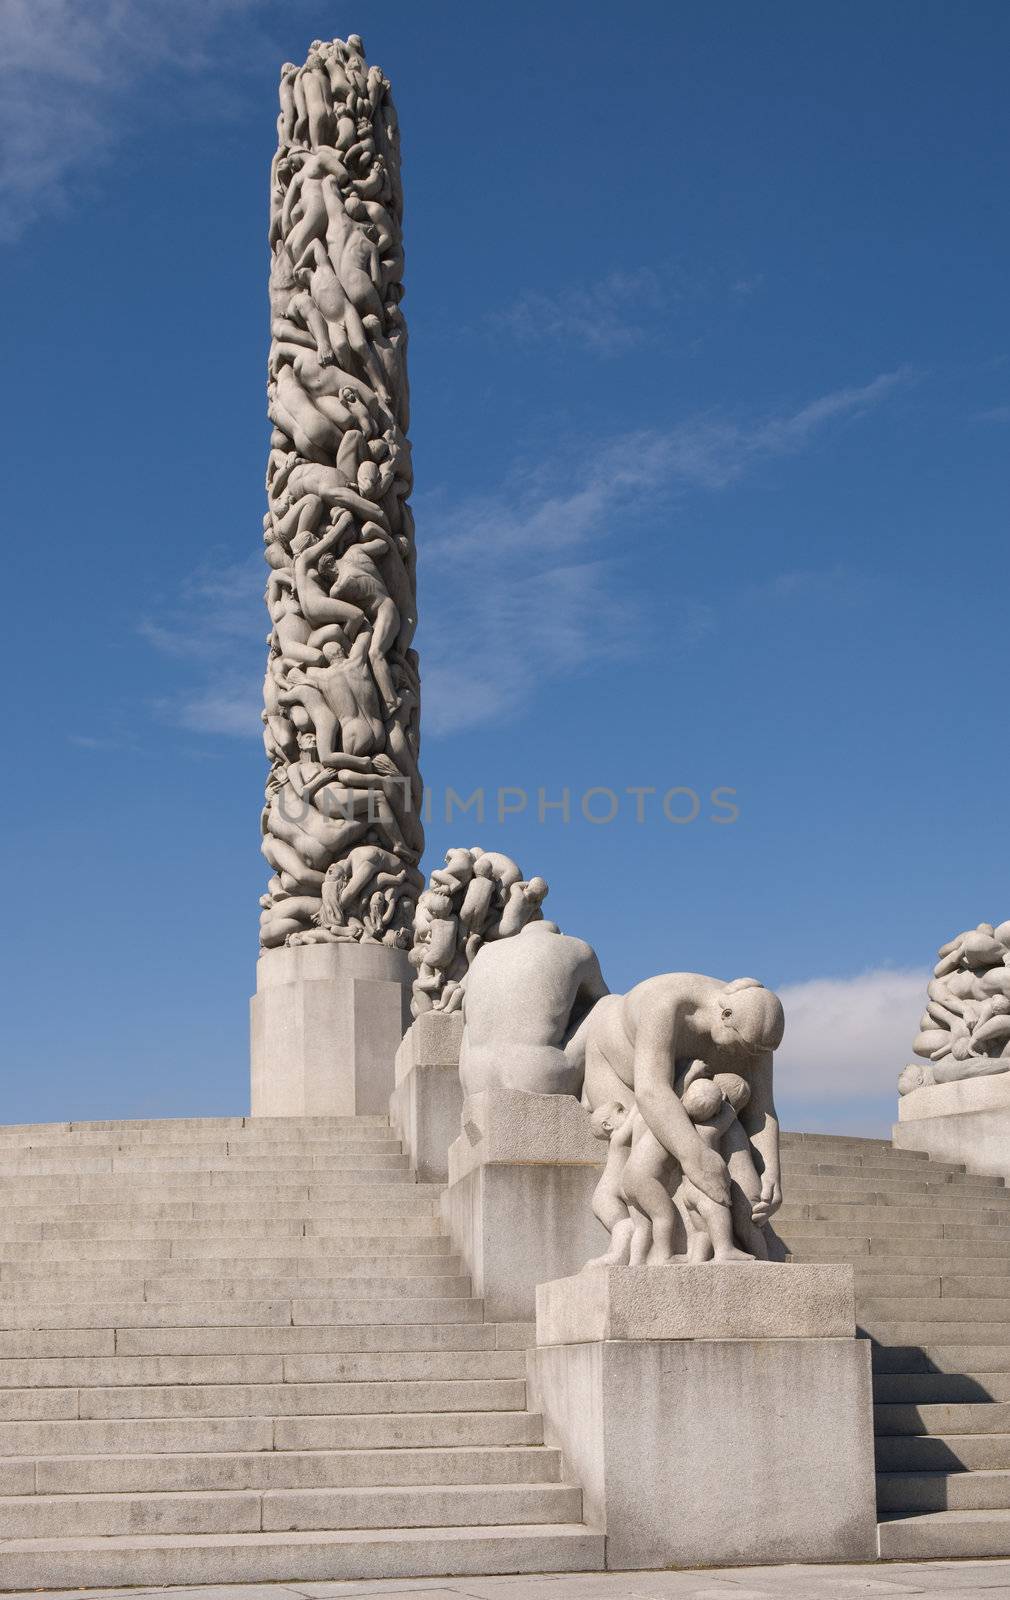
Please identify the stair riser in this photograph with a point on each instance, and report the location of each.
(259, 1400)
(311, 1558)
(211, 1239)
(315, 1262)
(967, 1453)
(908, 1541)
(958, 1358)
(189, 1435)
(956, 1491)
(925, 1388)
(283, 1470)
(983, 1417)
(208, 1312)
(897, 1251)
(191, 1285)
(69, 1516)
(217, 1205)
(131, 1371)
(56, 1344)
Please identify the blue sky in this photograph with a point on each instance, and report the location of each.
(709, 358)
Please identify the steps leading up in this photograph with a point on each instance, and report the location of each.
(236, 1352)
(931, 1253)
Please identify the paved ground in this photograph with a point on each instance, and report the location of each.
(940, 1580)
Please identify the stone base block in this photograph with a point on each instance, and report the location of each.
(697, 1452)
(714, 1300)
(518, 1204)
(966, 1122)
(326, 1023)
(426, 1104)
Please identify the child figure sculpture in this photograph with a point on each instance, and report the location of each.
(633, 1196)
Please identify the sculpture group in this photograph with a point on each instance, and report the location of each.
(675, 1075)
(341, 823)
(964, 1031)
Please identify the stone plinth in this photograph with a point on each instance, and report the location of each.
(425, 1106)
(968, 1122)
(326, 1023)
(769, 1300)
(519, 1200)
(715, 1415)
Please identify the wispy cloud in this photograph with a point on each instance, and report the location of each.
(69, 75)
(623, 310)
(217, 626)
(846, 1041)
(606, 317)
(514, 587)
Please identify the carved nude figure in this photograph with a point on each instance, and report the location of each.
(615, 1123)
(524, 999)
(634, 1042)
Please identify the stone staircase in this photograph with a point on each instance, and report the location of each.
(931, 1249)
(236, 1351)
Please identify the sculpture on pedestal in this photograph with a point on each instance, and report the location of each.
(678, 1077)
(477, 897)
(965, 1030)
(341, 826)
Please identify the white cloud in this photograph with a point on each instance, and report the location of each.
(606, 317)
(68, 69)
(847, 1039)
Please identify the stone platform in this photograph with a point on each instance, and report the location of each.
(715, 1413)
(244, 1350)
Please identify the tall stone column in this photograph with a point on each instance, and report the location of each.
(341, 824)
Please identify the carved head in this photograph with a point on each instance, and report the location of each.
(606, 1119)
(702, 1100)
(748, 1017)
(735, 1089)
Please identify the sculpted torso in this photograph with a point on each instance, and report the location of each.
(524, 998)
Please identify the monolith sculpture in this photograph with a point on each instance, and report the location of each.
(342, 832)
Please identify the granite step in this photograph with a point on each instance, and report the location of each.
(329, 1339)
(944, 1535)
(19, 1133)
(943, 1491)
(299, 1557)
(920, 1331)
(404, 1210)
(19, 1287)
(982, 1308)
(964, 1285)
(261, 1399)
(945, 1358)
(41, 1516)
(924, 1388)
(311, 1367)
(880, 1247)
(289, 1469)
(948, 1452)
(353, 1255)
(265, 1434)
(876, 1214)
(81, 1312)
(969, 1417)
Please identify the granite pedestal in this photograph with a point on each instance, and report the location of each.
(968, 1122)
(326, 1023)
(714, 1415)
(518, 1203)
(426, 1103)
